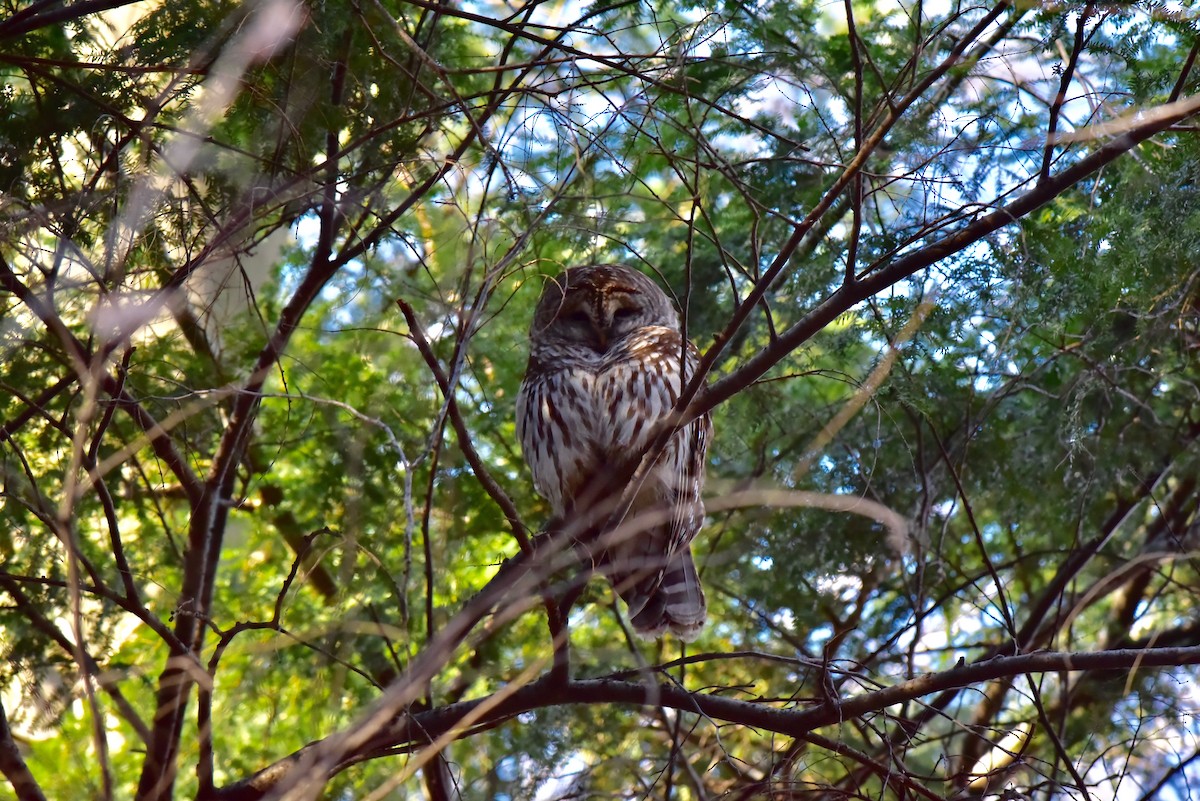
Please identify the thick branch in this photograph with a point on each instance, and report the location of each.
(411, 731)
(45, 14)
(877, 281)
(13, 766)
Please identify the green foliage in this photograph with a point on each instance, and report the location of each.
(198, 321)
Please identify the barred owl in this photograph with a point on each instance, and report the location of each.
(607, 361)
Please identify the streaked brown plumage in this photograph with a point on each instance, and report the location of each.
(607, 362)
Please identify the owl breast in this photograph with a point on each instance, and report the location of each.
(577, 417)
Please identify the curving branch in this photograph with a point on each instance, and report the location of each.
(411, 731)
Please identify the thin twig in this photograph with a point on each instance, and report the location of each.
(1060, 98)
(465, 441)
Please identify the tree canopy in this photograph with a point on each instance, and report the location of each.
(266, 273)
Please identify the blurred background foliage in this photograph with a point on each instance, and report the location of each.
(1037, 428)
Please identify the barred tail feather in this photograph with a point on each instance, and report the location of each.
(676, 604)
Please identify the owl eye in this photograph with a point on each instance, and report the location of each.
(624, 313)
(578, 317)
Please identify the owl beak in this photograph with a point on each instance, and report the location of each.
(602, 339)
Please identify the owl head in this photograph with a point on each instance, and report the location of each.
(598, 306)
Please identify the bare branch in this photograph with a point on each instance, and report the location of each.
(415, 730)
(13, 766)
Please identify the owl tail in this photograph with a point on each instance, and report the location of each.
(676, 604)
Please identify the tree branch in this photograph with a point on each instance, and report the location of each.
(411, 731)
(13, 766)
(846, 297)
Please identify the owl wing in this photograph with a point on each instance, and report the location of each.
(691, 456)
(678, 477)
